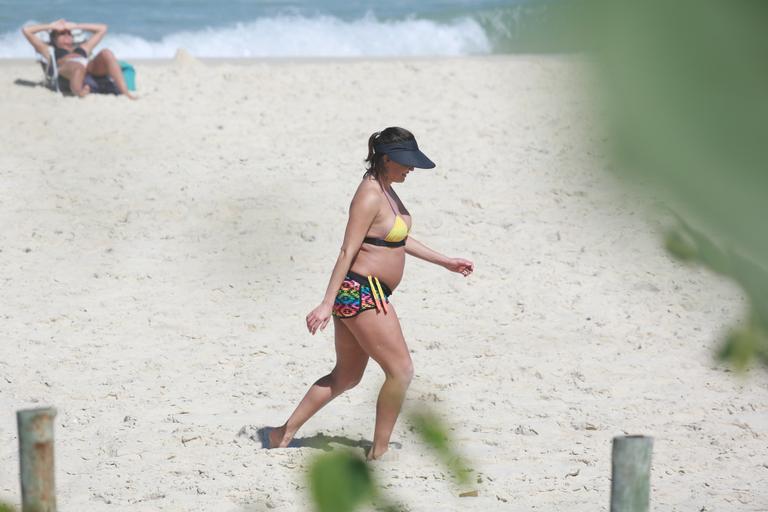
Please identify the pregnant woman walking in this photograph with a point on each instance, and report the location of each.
(368, 269)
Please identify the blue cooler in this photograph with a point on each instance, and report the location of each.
(129, 74)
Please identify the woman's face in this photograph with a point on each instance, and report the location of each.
(395, 172)
(63, 38)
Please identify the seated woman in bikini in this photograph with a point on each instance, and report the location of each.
(368, 269)
(72, 60)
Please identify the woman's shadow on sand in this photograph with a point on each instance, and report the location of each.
(318, 441)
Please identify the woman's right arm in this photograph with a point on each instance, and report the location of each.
(362, 212)
(30, 32)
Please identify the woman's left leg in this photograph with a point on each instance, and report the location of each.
(105, 64)
(351, 361)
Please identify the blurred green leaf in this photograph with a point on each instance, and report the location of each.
(744, 344)
(340, 481)
(739, 347)
(434, 434)
(679, 246)
(685, 85)
(5, 507)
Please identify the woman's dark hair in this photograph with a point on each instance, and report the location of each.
(54, 34)
(374, 161)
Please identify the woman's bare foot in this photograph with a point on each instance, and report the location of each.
(279, 437)
(388, 456)
(131, 96)
(84, 91)
(376, 453)
(384, 453)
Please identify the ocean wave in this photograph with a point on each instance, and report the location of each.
(298, 36)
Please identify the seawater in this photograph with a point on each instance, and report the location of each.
(260, 28)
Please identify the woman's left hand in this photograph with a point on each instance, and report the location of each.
(461, 266)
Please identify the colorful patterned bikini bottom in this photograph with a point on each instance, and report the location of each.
(356, 295)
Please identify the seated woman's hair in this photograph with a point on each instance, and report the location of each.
(53, 34)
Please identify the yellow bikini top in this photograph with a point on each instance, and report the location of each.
(399, 230)
(397, 234)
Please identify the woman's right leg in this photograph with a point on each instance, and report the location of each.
(350, 366)
(382, 338)
(75, 73)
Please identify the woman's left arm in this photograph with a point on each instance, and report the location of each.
(98, 30)
(421, 251)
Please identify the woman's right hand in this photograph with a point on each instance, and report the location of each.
(318, 318)
(59, 25)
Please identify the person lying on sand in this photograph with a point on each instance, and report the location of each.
(73, 60)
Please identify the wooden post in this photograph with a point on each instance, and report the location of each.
(630, 473)
(38, 490)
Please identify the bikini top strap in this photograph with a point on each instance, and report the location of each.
(390, 201)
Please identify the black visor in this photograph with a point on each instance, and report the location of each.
(405, 153)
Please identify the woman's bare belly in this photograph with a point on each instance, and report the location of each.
(73, 57)
(386, 263)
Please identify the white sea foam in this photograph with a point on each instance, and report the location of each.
(298, 36)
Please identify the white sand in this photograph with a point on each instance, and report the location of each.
(158, 258)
